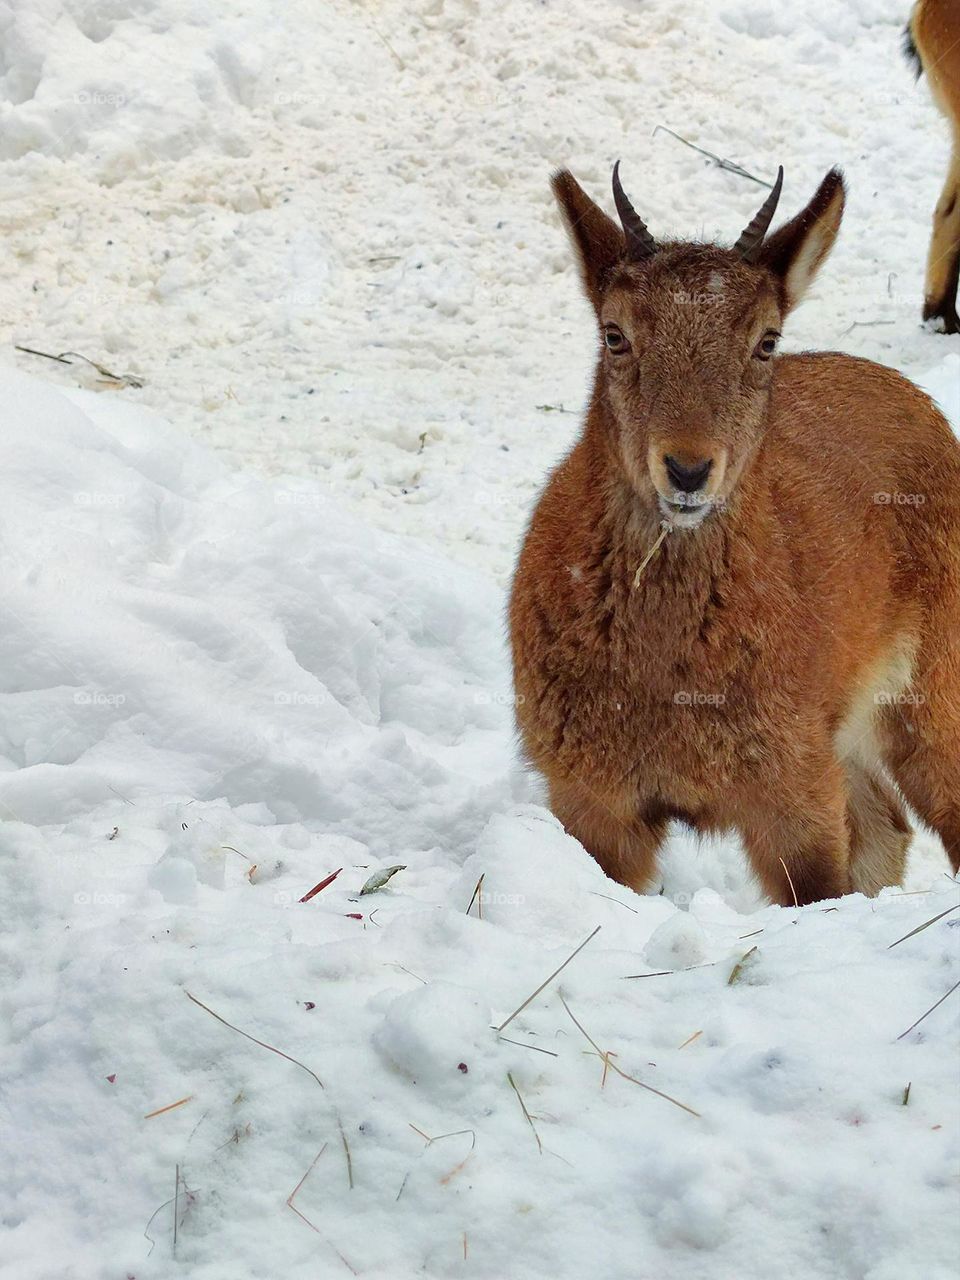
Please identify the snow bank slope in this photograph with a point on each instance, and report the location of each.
(201, 676)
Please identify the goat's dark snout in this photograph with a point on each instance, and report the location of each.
(687, 478)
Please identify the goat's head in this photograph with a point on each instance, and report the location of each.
(689, 336)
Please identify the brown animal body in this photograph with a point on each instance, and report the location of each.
(933, 42)
(792, 645)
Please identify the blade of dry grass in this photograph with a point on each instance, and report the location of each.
(262, 1043)
(786, 872)
(169, 1107)
(736, 973)
(523, 1108)
(930, 1010)
(477, 893)
(605, 1058)
(535, 1047)
(346, 1152)
(546, 982)
(926, 925)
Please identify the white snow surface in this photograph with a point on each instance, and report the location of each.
(253, 634)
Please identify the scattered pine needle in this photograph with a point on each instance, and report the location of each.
(317, 888)
(169, 1107)
(546, 982)
(263, 1045)
(789, 882)
(755, 934)
(926, 925)
(523, 1108)
(906, 1094)
(606, 1059)
(690, 1039)
(464, 1246)
(930, 1010)
(477, 897)
(176, 1207)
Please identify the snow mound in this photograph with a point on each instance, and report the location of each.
(220, 693)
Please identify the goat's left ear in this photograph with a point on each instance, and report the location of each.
(796, 251)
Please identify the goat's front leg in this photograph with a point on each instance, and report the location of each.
(796, 836)
(610, 830)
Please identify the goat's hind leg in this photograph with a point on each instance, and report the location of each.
(924, 758)
(879, 831)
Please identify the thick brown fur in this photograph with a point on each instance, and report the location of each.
(781, 663)
(933, 43)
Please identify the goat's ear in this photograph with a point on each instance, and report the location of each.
(796, 251)
(597, 239)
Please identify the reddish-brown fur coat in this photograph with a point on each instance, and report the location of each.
(723, 688)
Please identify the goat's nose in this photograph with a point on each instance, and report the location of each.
(688, 479)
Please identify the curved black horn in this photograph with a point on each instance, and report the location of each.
(640, 243)
(751, 238)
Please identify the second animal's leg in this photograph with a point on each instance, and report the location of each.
(943, 259)
(609, 830)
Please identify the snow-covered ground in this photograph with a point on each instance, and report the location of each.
(253, 635)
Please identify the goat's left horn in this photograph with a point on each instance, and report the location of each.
(640, 243)
(751, 238)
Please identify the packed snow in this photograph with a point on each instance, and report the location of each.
(253, 638)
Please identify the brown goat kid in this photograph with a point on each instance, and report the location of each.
(793, 644)
(933, 44)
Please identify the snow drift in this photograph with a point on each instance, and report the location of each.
(218, 691)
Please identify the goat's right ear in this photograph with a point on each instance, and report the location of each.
(597, 239)
(797, 250)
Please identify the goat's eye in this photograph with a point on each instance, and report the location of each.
(767, 345)
(614, 340)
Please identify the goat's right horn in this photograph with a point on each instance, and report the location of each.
(640, 243)
(751, 238)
